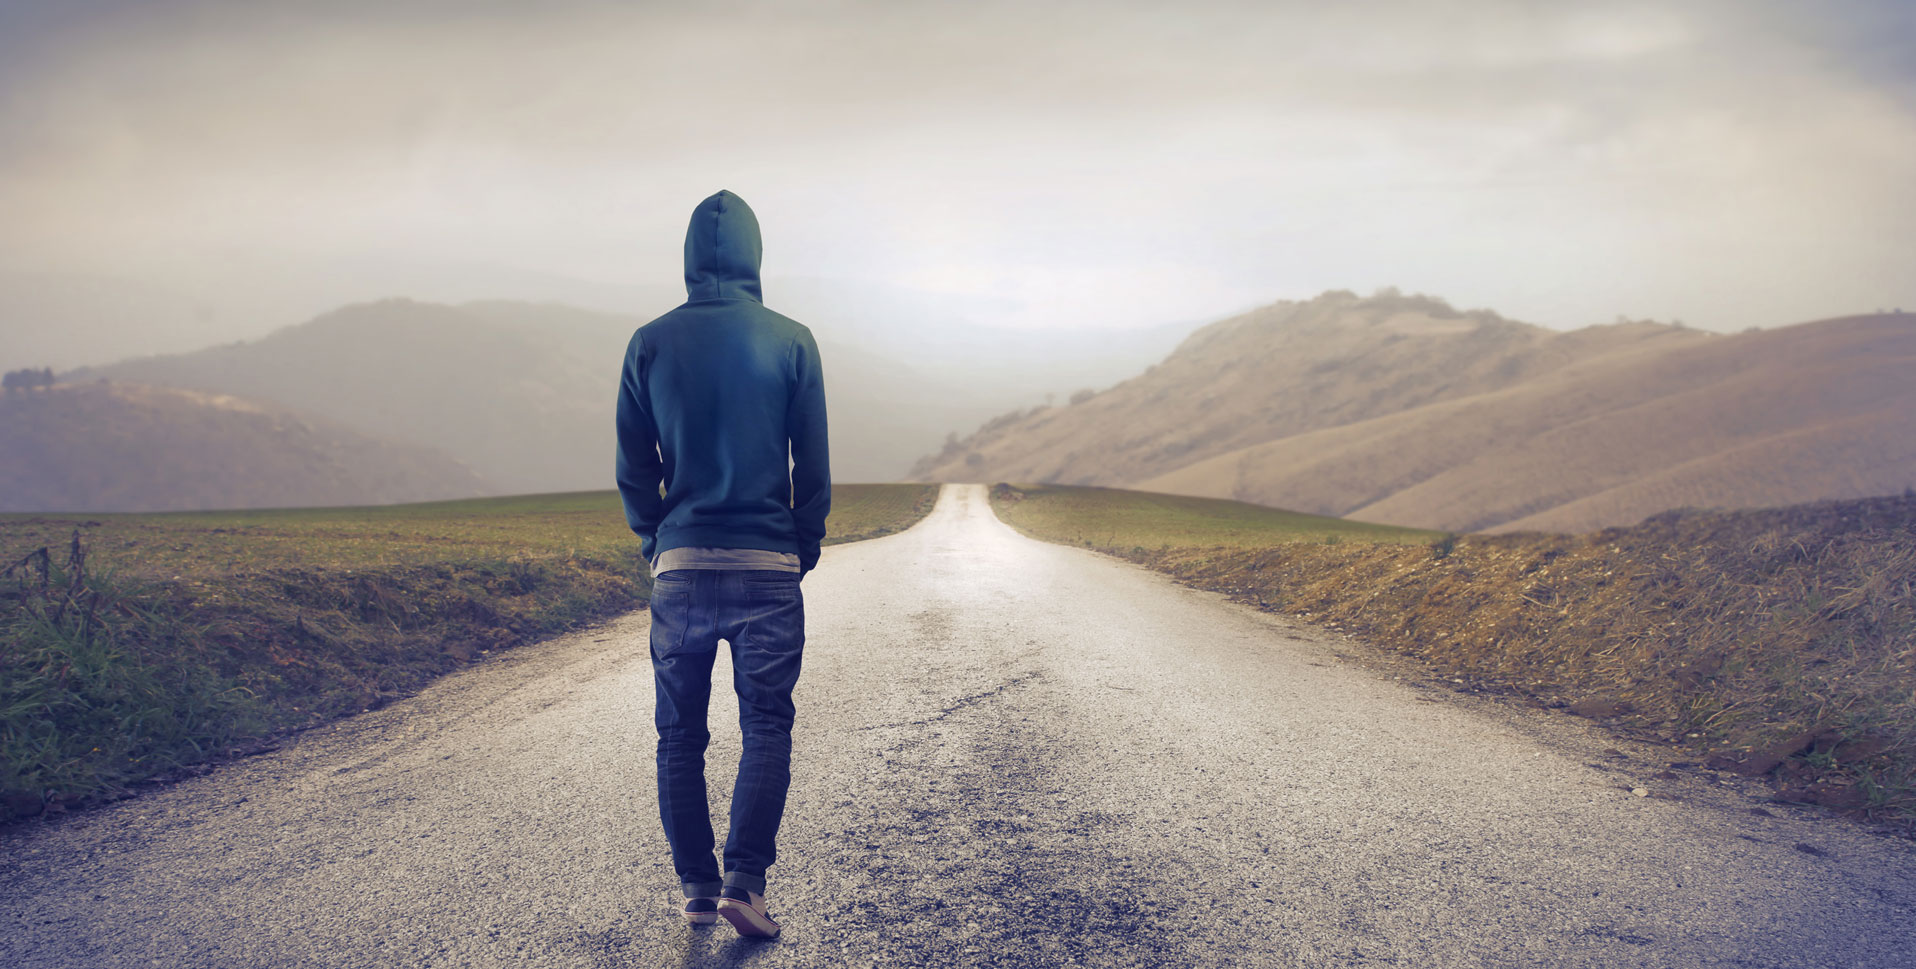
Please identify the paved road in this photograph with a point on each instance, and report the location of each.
(1008, 753)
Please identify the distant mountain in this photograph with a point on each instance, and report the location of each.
(523, 392)
(1281, 370)
(525, 411)
(122, 447)
(1405, 411)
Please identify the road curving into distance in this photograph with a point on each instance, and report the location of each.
(1009, 754)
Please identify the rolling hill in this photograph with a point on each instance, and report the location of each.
(523, 392)
(526, 411)
(100, 447)
(1404, 411)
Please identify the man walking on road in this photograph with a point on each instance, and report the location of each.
(722, 403)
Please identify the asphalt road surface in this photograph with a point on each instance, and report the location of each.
(1008, 753)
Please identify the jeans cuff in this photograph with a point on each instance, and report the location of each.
(702, 889)
(751, 883)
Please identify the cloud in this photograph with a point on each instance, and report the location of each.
(1725, 162)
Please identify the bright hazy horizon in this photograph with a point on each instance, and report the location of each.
(1065, 165)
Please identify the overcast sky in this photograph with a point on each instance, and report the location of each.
(1065, 164)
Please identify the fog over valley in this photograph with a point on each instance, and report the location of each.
(429, 228)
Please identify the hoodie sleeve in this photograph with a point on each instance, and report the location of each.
(638, 469)
(811, 466)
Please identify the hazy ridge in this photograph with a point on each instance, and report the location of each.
(123, 447)
(1395, 409)
(1405, 411)
(522, 393)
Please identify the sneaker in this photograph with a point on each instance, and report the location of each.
(746, 911)
(700, 911)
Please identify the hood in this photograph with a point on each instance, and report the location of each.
(722, 250)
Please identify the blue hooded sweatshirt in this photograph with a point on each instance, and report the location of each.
(716, 396)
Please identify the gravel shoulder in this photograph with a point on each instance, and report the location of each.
(1008, 753)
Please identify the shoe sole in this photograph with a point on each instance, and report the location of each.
(747, 920)
(701, 918)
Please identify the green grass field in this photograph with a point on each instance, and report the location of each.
(157, 642)
(209, 545)
(1113, 518)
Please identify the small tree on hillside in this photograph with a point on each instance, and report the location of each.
(27, 379)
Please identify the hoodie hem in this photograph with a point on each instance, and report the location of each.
(722, 537)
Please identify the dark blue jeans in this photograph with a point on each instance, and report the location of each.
(763, 616)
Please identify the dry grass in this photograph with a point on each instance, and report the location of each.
(1776, 643)
(134, 647)
(210, 545)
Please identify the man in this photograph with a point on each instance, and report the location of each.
(716, 396)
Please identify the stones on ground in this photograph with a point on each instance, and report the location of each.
(1598, 708)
